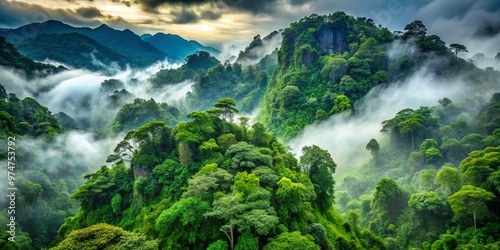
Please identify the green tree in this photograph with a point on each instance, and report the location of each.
(291, 241)
(290, 96)
(432, 154)
(218, 245)
(428, 202)
(415, 29)
(390, 198)
(470, 200)
(290, 196)
(104, 236)
(183, 224)
(340, 104)
(247, 241)
(457, 48)
(449, 178)
(334, 69)
(445, 102)
(411, 127)
(258, 135)
(245, 157)
(428, 178)
(459, 128)
(373, 147)
(320, 167)
(228, 108)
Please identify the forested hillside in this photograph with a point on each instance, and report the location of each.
(124, 41)
(75, 50)
(434, 185)
(211, 184)
(11, 58)
(327, 63)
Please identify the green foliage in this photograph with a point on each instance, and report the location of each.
(340, 104)
(373, 147)
(320, 167)
(187, 214)
(218, 245)
(200, 60)
(247, 242)
(449, 178)
(26, 117)
(10, 57)
(389, 201)
(133, 115)
(245, 157)
(75, 50)
(104, 236)
(428, 202)
(470, 200)
(293, 240)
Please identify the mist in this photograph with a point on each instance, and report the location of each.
(345, 135)
(231, 51)
(78, 93)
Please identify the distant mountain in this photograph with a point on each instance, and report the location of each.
(73, 49)
(259, 48)
(176, 46)
(10, 57)
(125, 41)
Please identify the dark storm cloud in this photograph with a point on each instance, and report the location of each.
(128, 3)
(253, 6)
(14, 14)
(89, 12)
(185, 15)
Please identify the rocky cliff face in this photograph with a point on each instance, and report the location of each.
(332, 40)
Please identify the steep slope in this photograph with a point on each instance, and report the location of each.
(259, 48)
(209, 182)
(11, 58)
(125, 41)
(433, 180)
(327, 63)
(73, 49)
(175, 46)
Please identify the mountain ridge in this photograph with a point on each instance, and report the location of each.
(176, 46)
(124, 41)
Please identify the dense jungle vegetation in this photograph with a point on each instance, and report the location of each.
(203, 175)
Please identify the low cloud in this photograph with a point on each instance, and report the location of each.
(345, 135)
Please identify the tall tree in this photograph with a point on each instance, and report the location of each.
(227, 106)
(457, 48)
(415, 29)
(470, 200)
(411, 127)
(373, 147)
(320, 167)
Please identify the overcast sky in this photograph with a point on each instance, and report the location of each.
(475, 23)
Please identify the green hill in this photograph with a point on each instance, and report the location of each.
(73, 49)
(175, 46)
(11, 58)
(327, 63)
(210, 183)
(126, 42)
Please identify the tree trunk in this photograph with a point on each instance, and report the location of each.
(475, 227)
(230, 236)
(412, 146)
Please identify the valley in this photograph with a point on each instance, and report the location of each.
(331, 133)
